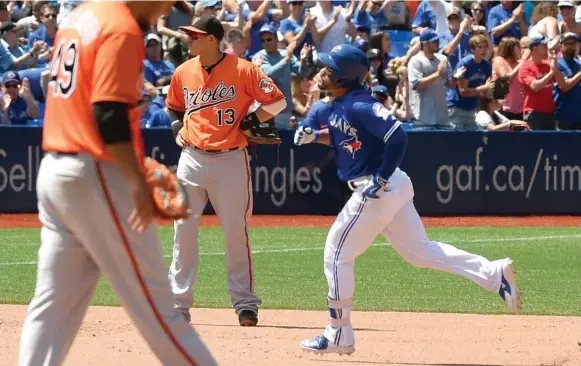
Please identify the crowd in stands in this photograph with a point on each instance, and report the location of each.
(438, 65)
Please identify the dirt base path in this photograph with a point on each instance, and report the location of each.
(31, 220)
(107, 337)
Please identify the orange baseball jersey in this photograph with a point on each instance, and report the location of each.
(98, 56)
(215, 103)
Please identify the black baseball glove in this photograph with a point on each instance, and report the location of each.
(260, 133)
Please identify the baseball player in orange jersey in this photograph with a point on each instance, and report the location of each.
(208, 99)
(94, 203)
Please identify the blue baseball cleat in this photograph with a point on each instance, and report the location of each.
(321, 344)
(509, 290)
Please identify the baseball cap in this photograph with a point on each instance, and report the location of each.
(454, 12)
(565, 4)
(206, 24)
(379, 89)
(570, 35)
(363, 27)
(362, 44)
(11, 76)
(152, 37)
(536, 41)
(209, 3)
(429, 35)
(7, 27)
(267, 28)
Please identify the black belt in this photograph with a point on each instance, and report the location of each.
(216, 151)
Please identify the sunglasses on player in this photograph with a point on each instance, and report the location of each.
(264, 40)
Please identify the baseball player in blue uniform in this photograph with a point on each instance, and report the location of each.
(369, 146)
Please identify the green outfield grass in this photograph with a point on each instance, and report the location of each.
(289, 271)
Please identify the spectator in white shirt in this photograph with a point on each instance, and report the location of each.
(490, 118)
(332, 24)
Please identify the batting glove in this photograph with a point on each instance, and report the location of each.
(305, 135)
(374, 187)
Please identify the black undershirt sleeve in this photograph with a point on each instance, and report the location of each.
(112, 121)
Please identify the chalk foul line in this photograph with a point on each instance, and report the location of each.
(310, 249)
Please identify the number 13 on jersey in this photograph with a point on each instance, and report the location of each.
(63, 69)
(226, 116)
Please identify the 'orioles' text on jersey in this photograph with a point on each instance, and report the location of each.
(215, 103)
(359, 127)
(98, 57)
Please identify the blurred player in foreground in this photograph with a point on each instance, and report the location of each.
(94, 202)
(369, 146)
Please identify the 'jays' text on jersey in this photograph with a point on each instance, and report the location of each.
(359, 127)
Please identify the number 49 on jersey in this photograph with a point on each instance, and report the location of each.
(63, 69)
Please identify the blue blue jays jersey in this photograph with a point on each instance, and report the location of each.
(359, 127)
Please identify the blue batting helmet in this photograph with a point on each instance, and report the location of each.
(349, 64)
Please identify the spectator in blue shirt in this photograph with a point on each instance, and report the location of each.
(18, 104)
(299, 27)
(258, 16)
(154, 66)
(373, 13)
(475, 82)
(47, 30)
(160, 118)
(567, 99)
(424, 18)
(504, 22)
(363, 31)
(12, 55)
(159, 102)
(279, 65)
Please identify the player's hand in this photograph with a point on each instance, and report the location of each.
(305, 135)
(374, 188)
(142, 214)
(180, 141)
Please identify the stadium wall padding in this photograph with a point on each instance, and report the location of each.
(454, 173)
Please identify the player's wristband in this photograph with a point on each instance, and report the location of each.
(317, 135)
(310, 130)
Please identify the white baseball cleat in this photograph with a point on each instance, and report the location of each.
(509, 290)
(320, 344)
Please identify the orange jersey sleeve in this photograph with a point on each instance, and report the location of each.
(261, 87)
(115, 80)
(98, 56)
